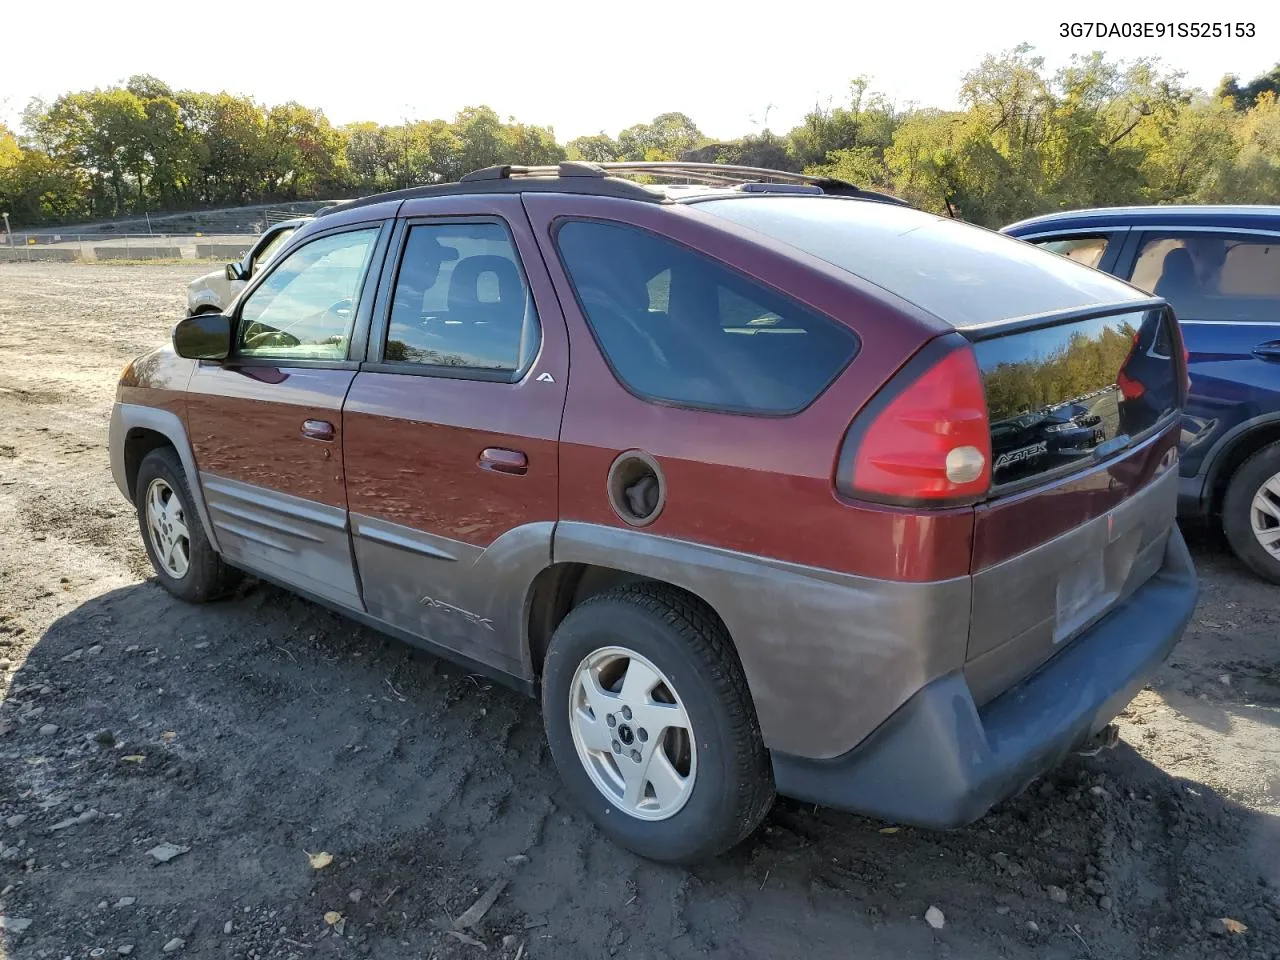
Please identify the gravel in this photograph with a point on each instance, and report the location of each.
(289, 739)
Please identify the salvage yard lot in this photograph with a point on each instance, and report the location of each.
(262, 729)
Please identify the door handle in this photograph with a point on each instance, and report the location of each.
(504, 461)
(1268, 351)
(318, 430)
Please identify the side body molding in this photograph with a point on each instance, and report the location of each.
(828, 656)
(131, 416)
(467, 599)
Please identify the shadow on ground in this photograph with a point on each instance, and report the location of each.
(261, 729)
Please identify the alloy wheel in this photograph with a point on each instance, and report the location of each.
(632, 733)
(167, 526)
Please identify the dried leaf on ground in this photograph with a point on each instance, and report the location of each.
(475, 913)
(463, 938)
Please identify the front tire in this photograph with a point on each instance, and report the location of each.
(1251, 512)
(184, 561)
(651, 725)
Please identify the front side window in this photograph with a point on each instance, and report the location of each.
(1086, 250)
(1208, 276)
(679, 328)
(461, 301)
(305, 308)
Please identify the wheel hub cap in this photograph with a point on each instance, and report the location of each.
(632, 734)
(167, 528)
(1264, 516)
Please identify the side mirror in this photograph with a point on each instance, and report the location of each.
(206, 336)
(236, 271)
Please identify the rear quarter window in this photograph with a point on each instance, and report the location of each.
(1085, 250)
(678, 327)
(960, 273)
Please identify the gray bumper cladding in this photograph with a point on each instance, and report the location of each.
(940, 762)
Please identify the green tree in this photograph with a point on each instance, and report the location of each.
(1245, 97)
(862, 130)
(99, 132)
(305, 155)
(36, 189)
(596, 148)
(1252, 173)
(666, 138)
(1187, 145)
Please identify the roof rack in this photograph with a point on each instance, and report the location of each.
(609, 179)
(710, 174)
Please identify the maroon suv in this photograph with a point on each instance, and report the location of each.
(767, 483)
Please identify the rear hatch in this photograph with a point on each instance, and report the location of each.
(1083, 376)
(1083, 421)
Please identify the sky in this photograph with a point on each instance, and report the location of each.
(581, 68)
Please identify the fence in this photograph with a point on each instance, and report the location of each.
(70, 248)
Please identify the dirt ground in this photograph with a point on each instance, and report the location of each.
(256, 731)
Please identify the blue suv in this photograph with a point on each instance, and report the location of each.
(1219, 266)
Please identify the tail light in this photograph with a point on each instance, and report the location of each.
(1130, 388)
(931, 443)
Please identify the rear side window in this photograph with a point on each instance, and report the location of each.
(1086, 250)
(1210, 276)
(1054, 395)
(461, 302)
(678, 327)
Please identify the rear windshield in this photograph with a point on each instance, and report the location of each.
(960, 273)
(1056, 394)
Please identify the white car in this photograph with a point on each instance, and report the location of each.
(214, 291)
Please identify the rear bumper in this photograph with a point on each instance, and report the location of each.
(1191, 497)
(941, 762)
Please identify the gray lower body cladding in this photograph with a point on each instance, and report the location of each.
(827, 655)
(941, 761)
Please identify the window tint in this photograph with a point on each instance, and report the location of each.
(961, 273)
(461, 301)
(305, 307)
(678, 327)
(1086, 250)
(1213, 276)
(1055, 394)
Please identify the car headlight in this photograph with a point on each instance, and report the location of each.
(1058, 427)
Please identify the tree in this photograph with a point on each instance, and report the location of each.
(1190, 145)
(1245, 97)
(666, 138)
(34, 188)
(1252, 175)
(305, 156)
(765, 149)
(865, 126)
(99, 132)
(1025, 141)
(596, 148)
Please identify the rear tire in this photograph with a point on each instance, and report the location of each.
(705, 781)
(1251, 512)
(185, 563)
